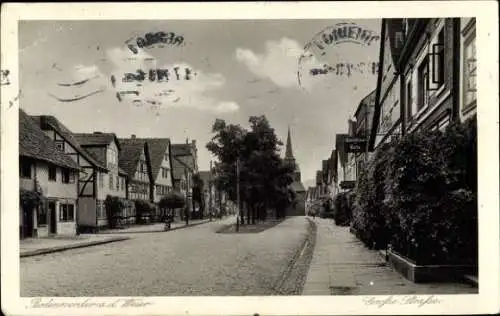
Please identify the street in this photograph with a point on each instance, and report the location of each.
(191, 261)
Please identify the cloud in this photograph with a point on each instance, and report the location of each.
(227, 107)
(278, 62)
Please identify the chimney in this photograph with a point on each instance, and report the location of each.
(187, 140)
(193, 143)
(133, 136)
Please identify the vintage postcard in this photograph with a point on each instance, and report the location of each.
(272, 158)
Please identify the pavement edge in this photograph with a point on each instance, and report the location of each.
(69, 247)
(294, 275)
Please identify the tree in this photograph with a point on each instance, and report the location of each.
(198, 198)
(264, 177)
(171, 201)
(114, 207)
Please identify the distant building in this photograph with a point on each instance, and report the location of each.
(45, 170)
(185, 165)
(300, 202)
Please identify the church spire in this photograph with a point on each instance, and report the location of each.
(289, 153)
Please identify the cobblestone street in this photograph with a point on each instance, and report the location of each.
(190, 261)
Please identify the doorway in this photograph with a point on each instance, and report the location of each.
(27, 228)
(52, 217)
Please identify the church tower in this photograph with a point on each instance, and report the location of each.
(290, 159)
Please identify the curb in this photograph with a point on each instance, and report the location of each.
(309, 241)
(118, 232)
(43, 251)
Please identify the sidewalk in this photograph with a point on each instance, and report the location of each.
(341, 265)
(153, 228)
(38, 246)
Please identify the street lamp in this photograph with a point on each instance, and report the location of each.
(238, 193)
(210, 191)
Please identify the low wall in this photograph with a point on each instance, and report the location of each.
(427, 273)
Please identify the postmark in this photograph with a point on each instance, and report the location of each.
(152, 39)
(337, 51)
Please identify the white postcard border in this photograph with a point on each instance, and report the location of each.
(487, 39)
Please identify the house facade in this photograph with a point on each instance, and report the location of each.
(185, 165)
(47, 171)
(386, 122)
(105, 149)
(161, 169)
(135, 160)
(428, 73)
(361, 130)
(467, 64)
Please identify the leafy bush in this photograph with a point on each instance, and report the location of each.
(420, 195)
(343, 205)
(143, 209)
(368, 217)
(114, 206)
(30, 199)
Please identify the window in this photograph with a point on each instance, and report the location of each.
(101, 180)
(67, 212)
(42, 216)
(117, 183)
(470, 67)
(423, 85)
(409, 100)
(158, 190)
(25, 169)
(60, 145)
(110, 182)
(164, 172)
(52, 173)
(68, 176)
(438, 61)
(122, 183)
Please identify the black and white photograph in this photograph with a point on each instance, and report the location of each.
(323, 158)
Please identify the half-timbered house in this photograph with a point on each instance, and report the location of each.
(135, 160)
(104, 148)
(161, 168)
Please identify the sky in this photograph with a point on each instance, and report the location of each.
(235, 69)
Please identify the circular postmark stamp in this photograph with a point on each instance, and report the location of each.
(345, 50)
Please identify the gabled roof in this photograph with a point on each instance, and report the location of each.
(157, 149)
(93, 143)
(34, 143)
(182, 149)
(369, 101)
(130, 153)
(96, 139)
(51, 121)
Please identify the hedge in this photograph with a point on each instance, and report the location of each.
(419, 195)
(143, 209)
(343, 208)
(114, 206)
